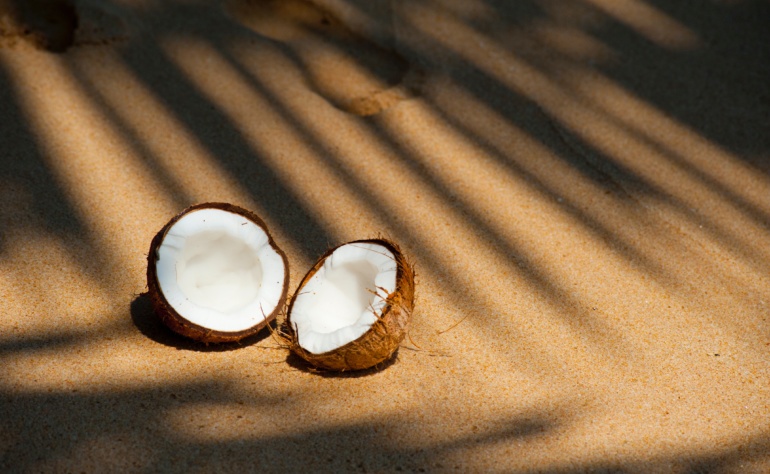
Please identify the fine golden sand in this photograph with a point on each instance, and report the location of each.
(583, 187)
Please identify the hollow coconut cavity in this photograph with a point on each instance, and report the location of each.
(215, 274)
(352, 309)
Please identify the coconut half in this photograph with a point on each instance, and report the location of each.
(352, 309)
(215, 274)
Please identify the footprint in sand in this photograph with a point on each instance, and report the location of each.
(56, 25)
(350, 71)
(47, 24)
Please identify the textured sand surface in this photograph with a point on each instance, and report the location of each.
(584, 187)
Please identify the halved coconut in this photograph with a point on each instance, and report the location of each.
(215, 274)
(352, 309)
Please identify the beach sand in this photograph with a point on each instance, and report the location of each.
(584, 188)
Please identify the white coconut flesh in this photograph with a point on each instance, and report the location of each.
(218, 270)
(342, 300)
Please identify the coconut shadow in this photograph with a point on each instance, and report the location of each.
(298, 363)
(144, 318)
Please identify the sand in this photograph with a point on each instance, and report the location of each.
(584, 188)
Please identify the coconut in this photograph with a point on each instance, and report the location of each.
(215, 274)
(352, 309)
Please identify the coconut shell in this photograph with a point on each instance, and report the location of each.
(381, 341)
(178, 323)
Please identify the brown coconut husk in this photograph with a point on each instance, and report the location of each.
(382, 340)
(178, 323)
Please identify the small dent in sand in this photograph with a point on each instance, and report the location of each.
(353, 73)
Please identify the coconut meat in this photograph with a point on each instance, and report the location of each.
(342, 300)
(218, 270)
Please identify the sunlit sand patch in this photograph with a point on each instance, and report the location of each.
(54, 292)
(213, 422)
